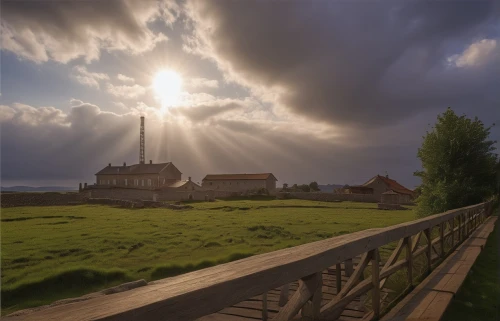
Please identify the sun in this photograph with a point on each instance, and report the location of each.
(167, 85)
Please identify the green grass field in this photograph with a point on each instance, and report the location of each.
(49, 253)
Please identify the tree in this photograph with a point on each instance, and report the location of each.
(314, 186)
(458, 164)
(304, 188)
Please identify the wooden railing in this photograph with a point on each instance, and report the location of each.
(196, 294)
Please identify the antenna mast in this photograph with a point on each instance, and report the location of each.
(142, 143)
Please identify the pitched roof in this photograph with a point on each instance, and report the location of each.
(222, 177)
(133, 169)
(392, 184)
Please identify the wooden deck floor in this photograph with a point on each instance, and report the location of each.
(251, 309)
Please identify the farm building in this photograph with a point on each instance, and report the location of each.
(358, 190)
(143, 176)
(381, 184)
(240, 182)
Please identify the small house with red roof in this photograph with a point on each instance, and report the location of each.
(382, 184)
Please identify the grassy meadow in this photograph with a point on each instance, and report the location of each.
(49, 253)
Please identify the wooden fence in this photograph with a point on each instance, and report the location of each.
(196, 294)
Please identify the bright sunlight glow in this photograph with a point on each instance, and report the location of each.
(167, 84)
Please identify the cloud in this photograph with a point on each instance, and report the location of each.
(476, 54)
(125, 91)
(203, 112)
(349, 64)
(83, 76)
(66, 30)
(202, 83)
(125, 78)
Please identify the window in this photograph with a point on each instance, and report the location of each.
(114, 182)
(149, 182)
(210, 183)
(136, 182)
(108, 181)
(142, 182)
(126, 183)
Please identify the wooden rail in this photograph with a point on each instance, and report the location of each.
(200, 293)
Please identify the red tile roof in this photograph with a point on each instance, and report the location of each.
(393, 185)
(222, 177)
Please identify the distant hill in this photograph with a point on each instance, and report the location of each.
(329, 187)
(36, 189)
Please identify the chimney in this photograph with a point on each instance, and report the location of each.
(109, 165)
(189, 178)
(151, 161)
(80, 187)
(124, 164)
(85, 186)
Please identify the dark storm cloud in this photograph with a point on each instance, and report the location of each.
(65, 30)
(353, 63)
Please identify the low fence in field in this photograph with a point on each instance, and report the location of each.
(40, 199)
(328, 197)
(203, 292)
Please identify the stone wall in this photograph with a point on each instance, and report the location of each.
(40, 199)
(121, 193)
(192, 195)
(328, 197)
(156, 195)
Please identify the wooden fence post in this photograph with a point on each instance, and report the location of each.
(264, 306)
(311, 309)
(452, 232)
(348, 269)
(376, 283)
(284, 295)
(338, 277)
(428, 253)
(409, 260)
(441, 239)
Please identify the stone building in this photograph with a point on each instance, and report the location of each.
(382, 184)
(142, 176)
(240, 182)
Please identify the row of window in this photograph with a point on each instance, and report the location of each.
(136, 182)
(237, 183)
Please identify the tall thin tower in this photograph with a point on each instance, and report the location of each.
(142, 143)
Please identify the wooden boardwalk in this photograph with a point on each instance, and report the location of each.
(252, 309)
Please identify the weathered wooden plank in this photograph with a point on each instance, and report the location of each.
(307, 288)
(334, 309)
(338, 278)
(348, 267)
(264, 307)
(409, 260)
(429, 248)
(284, 294)
(441, 239)
(310, 310)
(376, 282)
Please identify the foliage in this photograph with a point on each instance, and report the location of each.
(458, 164)
(314, 186)
(304, 188)
(41, 244)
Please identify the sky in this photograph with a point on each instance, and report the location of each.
(328, 91)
